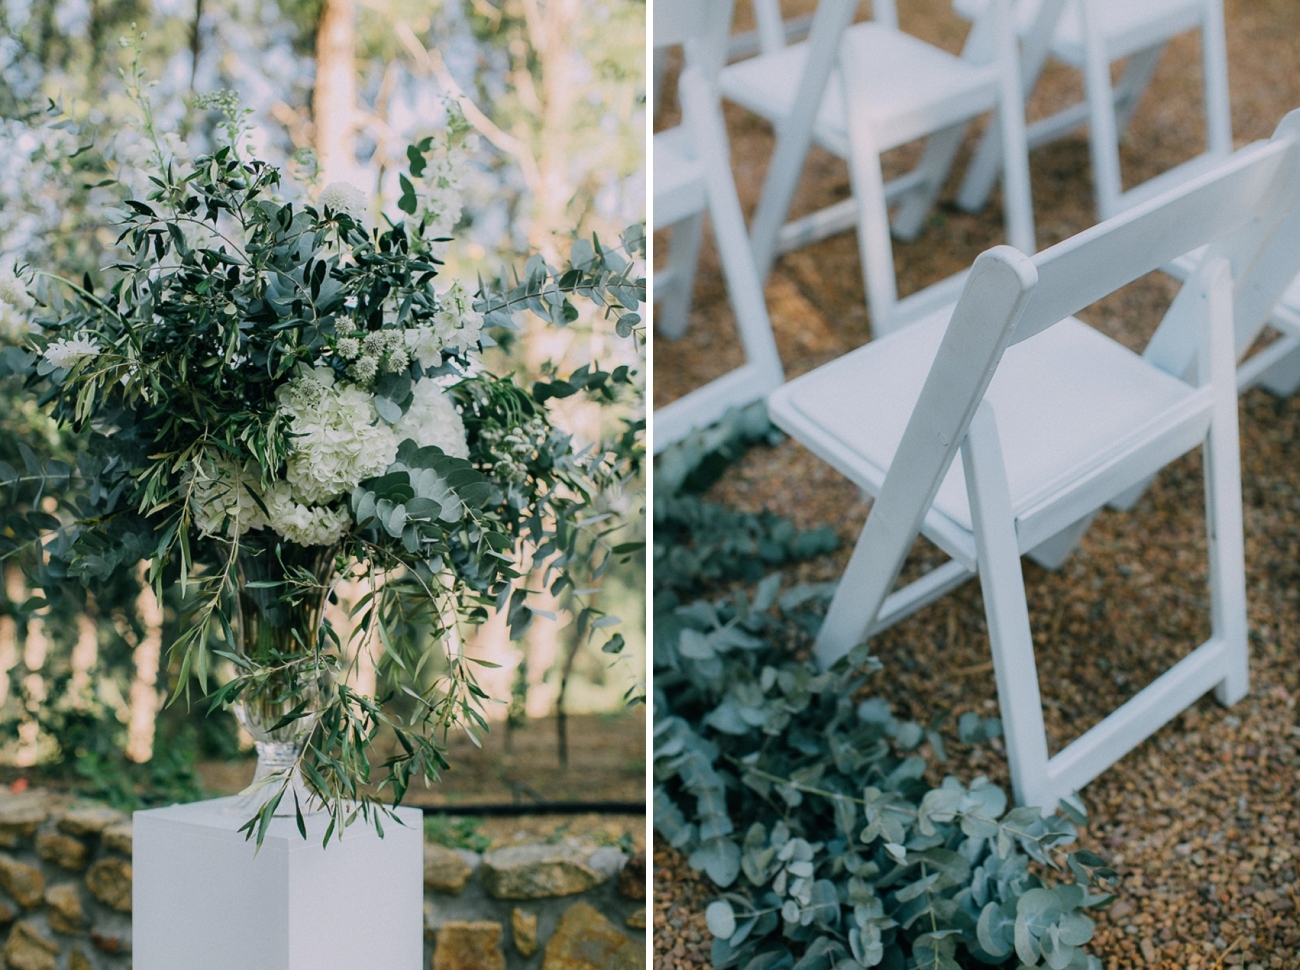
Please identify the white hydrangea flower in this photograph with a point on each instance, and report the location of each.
(13, 292)
(336, 440)
(303, 524)
(432, 419)
(342, 197)
(424, 345)
(70, 351)
(222, 496)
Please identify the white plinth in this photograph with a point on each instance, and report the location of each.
(202, 901)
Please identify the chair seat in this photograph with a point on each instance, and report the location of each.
(1068, 401)
(912, 88)
(679, 185)
(1128, 26)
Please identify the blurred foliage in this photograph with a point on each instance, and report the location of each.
(455, 832)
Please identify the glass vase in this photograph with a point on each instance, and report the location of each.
(279, 746)
(281, 597)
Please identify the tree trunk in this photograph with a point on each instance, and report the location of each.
(335, 96)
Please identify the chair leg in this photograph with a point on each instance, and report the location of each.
(875, 249)
(1283, 378)
(794, 136)
(1222, 463)
(675, 306)
(1214, 60)
(1103, 137)
(981, 173)
(744, 287)
(1137, 75)
(1006, 611)
(1053, 553)
(933, 167)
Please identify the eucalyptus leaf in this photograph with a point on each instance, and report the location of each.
(721, 919)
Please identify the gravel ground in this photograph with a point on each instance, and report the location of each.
(1200, 819)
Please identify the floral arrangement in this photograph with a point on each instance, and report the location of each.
(276, 398)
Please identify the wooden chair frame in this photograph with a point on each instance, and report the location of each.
(837, 62)
(701, 182)
(1246, 210)
(1107, 109)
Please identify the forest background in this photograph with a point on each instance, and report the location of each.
(554, 92)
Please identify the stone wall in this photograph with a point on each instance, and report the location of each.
(65, 897)
(65, 884)
(567, 905)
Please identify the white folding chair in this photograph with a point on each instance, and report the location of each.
(692, 175)
(860, 91)
(1090, 35)
(1276, 367)
(1053, 419)
(771, 32)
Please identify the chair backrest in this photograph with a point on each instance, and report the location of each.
(700, 27)
(1245, 210)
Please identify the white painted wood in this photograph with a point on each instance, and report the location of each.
(692, 177)
(1006, 611)
(1091, 35)
(203, 900)
(1222, 468)
(861, 90)
(1056, 420)
(675, 287)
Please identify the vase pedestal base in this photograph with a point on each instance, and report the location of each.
(204, 901)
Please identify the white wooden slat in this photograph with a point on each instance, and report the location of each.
(706, 405)
(915, 595)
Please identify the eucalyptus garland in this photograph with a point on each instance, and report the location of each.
(804, 801)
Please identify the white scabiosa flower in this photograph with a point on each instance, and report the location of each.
(342, 197)
(336, 441)
(365, 369)
(376, 343)
(432, 419)
(70, 351)
(304, 524)
(349, 347)
(221, 498)
(13, 292)
(397, 360)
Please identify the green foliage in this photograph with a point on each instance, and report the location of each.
(456, 832)
(807, 806)
(701, 543)
(225, 309)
